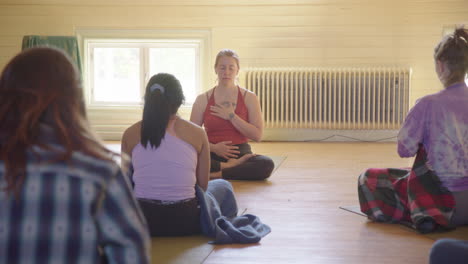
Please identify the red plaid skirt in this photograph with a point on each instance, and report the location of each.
(407, 196)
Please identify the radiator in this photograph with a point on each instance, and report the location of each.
(322, 98)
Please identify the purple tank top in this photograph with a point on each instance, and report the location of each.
(166, 173)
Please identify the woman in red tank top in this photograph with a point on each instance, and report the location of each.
(231, 116)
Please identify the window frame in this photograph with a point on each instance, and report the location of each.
(87, 37)
(144, 47)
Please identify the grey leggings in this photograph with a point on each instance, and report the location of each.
(460, 215)
(255, 168)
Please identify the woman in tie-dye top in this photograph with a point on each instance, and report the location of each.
(436, 129)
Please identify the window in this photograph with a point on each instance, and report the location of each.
(119, 63)
(120, 69)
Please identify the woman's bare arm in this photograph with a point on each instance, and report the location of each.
(198, 108)
(196, 136)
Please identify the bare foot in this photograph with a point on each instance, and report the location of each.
(234, 162)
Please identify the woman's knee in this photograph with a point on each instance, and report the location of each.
(256, 168)
(219, 186)
(262, 167)
(364, 177)
(221, 183)
(268, 164)
(223, 192)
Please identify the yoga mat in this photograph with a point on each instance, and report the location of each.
(180, 250)
(458, 233)
(353, 209)
(277, 160)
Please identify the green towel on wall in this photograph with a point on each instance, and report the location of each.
(67, 43)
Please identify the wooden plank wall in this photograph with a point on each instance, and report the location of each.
(271, 33)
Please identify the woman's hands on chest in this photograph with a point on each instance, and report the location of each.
(225, 104)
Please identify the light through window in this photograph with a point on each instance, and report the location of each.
(116, 75)
(120, 69)
(178, 61)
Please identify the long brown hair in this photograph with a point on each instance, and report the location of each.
(42, 86)
(453, 51)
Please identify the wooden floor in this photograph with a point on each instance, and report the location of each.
(300, 202)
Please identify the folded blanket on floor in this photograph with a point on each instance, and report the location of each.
(219, 216)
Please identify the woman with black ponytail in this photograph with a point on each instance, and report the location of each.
(169, 155)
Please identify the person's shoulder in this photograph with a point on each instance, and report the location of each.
(136, 125)
(80, 165)
(247, 94)
(189, 126)
(88, 166)
(190, 133)
(208, 93)
(203, 97)
(245, 90)
(132, 129)
(425, 103)
(428, 99)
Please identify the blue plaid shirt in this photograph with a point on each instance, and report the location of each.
(72, 212)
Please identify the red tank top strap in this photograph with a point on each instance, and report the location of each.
(241, 107)
(210, 97)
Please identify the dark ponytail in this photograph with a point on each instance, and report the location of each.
(163, 97)
(453, 51)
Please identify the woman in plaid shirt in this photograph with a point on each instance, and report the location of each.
(62, 198)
